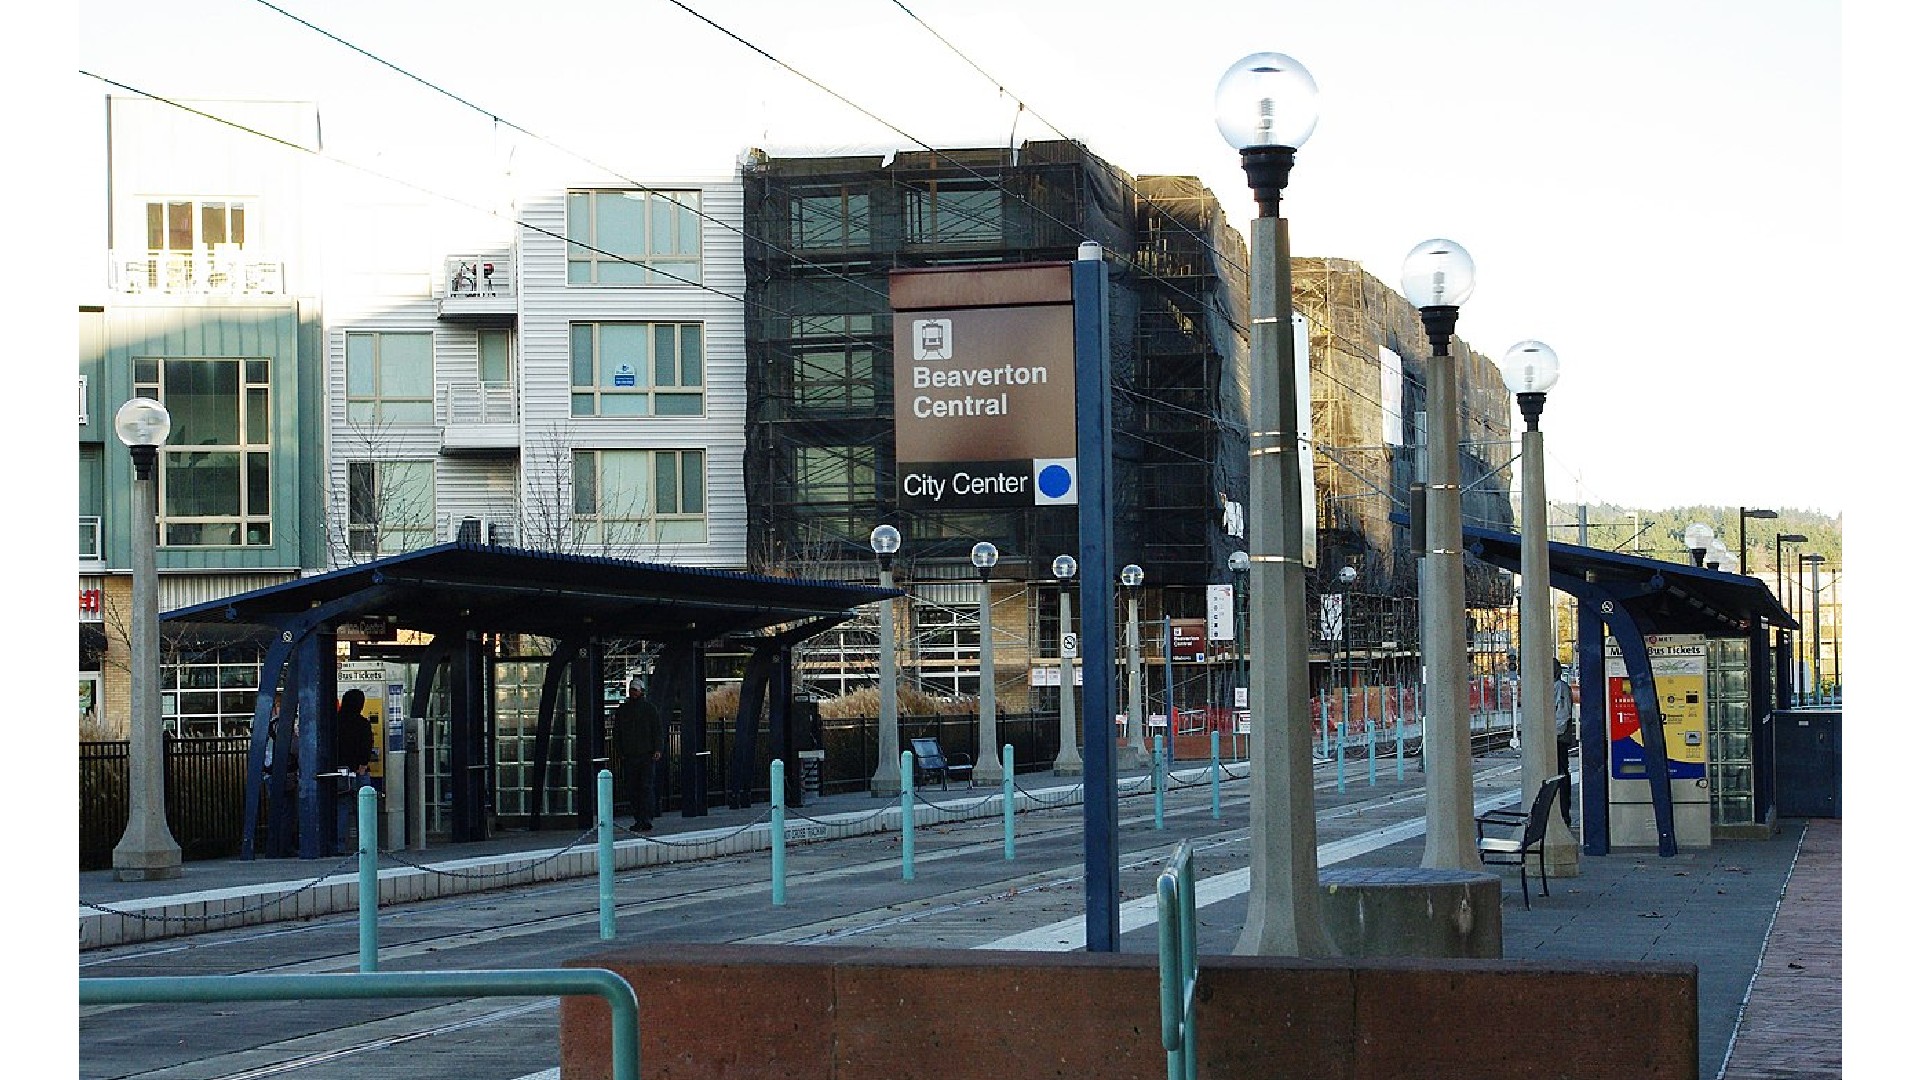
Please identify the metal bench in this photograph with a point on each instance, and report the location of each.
(928, 761)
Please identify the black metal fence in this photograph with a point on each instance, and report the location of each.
(205, 788)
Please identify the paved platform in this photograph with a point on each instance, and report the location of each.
(1765, 1012)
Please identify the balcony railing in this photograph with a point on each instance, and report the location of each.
(90, 539)
(477, 288)
(458, 403)
(223, 270)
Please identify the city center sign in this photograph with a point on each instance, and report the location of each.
(983, 404)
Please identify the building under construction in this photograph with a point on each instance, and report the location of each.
(823, 235)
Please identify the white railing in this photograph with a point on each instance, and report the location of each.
(223, 270)
(475, 403)
(477, 276)
(90, 538)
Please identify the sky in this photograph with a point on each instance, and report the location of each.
(1614, 169)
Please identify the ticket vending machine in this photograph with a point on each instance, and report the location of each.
(1680, 684)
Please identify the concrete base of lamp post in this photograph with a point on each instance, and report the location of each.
(1562, 850)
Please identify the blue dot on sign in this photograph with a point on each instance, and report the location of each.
(1055, 481)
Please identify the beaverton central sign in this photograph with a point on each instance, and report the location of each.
(983, 387)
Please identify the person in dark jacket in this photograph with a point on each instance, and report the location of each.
(636, 735)
(352, 755)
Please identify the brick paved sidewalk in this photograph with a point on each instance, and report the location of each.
(1791, 1027)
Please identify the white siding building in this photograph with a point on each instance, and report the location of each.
(528, 391)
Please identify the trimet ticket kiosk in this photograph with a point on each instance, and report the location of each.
(1701, 685)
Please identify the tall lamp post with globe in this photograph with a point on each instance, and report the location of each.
(885, 541)
(147, 850)
(1134, 755)
(1437, 277)
(986, 763)
(1266, 106)
(1067, 762)
(1530, 369)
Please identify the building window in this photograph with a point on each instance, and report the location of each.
(496, 357)
(390, 378)
(833, 363)
(638, 369)
(833, 475)
(389, 506)
(215, 480)
(633, 237)
(627, 497)
(837, 219)
(210, 696)
(953, 212)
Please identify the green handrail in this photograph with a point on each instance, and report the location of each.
(1179, 963)
(531, 982)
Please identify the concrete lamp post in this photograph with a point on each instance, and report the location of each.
(1530, 369)
(147, 850)
(1134, 753)
(1067, 762)
(885, 541)
(1266, 106)
(1699, 538)
(1437, 277)
(1347, 576)
(1238, 563)
(986, 763)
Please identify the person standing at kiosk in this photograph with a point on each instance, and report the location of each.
(636, 733)
(352, 755)
(1565, 736)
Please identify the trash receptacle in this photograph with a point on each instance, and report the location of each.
(812, 775)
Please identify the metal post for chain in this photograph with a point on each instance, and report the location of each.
(1159, 781)
(367, 805)
(1006, 796)
(906, 815)
(1399, 745)
(1326, 729)
(1216, 774)
(1370, 752)
(777, 784)
(603, 828)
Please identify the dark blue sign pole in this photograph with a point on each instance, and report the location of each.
(1093, 412)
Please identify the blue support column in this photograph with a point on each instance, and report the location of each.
(1093, 426)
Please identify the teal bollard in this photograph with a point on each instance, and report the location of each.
(1006, 796)
(1326, 729)
(1216, 774)
(777, 782)
(367, 805)
(603, 824)
(1159, 781)
(906, 815)
(1370, 754)
(1340, 755)
(1399, 748)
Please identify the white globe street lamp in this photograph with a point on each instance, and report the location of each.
(147, 850)
(986, 761)
(885, 541)
(1266, 106)
(1530, 369)
(1134, 748)
(1067, 762)
(1436, 277)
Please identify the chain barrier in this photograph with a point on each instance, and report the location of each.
(1072, 795)
(272, 901)
(862, 820)
(960, 813)
(715, 841)
(462, 875)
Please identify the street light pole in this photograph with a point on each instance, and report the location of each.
(1135, 755)
(1699, 537)
(1813, 592)
(147, 850)
(986, 763)
(1437, 276)
(1266, 106)
(885, 541)
(1067, 762)
(1744, 515)
(1530, 369)
(1348, 575)
(1238, 563)
(1786, 637)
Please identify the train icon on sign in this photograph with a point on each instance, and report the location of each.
(933, 339)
